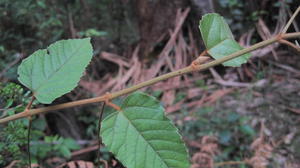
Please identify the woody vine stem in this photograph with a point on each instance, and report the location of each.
(104, 98)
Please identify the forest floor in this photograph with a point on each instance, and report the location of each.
(229, 117)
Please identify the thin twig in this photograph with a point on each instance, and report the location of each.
(290, 35)
(85, 150)
(151, 81)
(229, 163)
(13, 163)
(4, 113)
(98, 132)
(290, 21)
(28, 143)
(290, 15)
(5, 109)
(285, 67)
(11, 64)
(28, 107)
(297, 48)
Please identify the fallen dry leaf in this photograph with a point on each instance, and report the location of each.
(77, 164)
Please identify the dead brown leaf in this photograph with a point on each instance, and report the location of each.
(119, 60)
(202, 160)
(77, 164)
(208, 147)
(217, 95)
(12, 164)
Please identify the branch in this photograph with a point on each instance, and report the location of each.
(98, 132)
(28, 107)
(297, 48)
(290, 21)
(229, 163)
(11, 64)
(151, 81)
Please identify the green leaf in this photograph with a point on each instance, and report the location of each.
(71, 143)
(140, 135)
(247, 129)
(65, 151)
(55, 71)
(214, 29)
(219, 40)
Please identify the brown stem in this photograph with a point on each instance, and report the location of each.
(297, 48)
(112, 105)
(203, 53)
(229, 163)
(28, 142)
(290, 21)
(291, 35)
(151, 81)
(99, 130)
(28, 107)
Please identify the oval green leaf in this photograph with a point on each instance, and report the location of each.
(219, 40)
(140, 135)
(55, 71)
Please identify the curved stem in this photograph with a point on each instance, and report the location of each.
(297, 48)
(151, 81)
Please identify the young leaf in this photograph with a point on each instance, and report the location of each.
(55, 71)
(140, 135)
(219, 40)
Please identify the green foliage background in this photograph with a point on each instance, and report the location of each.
(28, 25)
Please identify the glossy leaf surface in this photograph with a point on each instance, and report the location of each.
(140, 135)
(52, 72)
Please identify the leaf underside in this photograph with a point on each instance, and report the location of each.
(219, 40)
(140, 135)
(52, 72)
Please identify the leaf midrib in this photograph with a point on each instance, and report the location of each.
(59, 68)
(160, 157)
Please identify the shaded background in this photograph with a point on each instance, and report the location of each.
(225, 109)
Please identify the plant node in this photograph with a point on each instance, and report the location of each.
(107, 98)
(202, 58)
